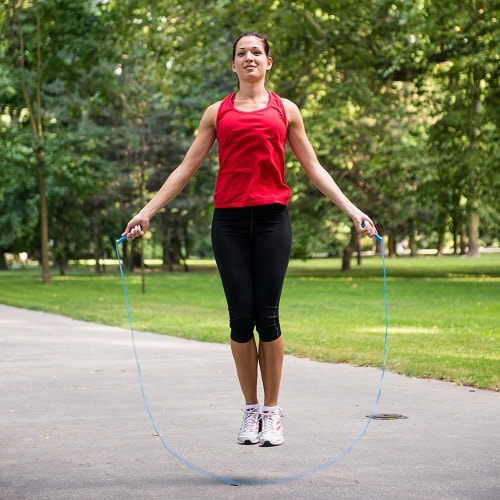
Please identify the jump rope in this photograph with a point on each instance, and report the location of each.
(238, 481)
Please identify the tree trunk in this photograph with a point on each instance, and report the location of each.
(392, 245)
(350, 249)
(463, 240)
(44, 224)
(474, 231)
(35, 115)
(456, 226)
(440, 243)
(473, 200)
(98, 250)
(167, 256)
(473, 196)
(3, 260)
(412, 243)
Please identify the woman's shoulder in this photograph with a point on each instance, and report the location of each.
(213, 109)
(224, 102)
(209, 118)
(288, 104)
(291, 109)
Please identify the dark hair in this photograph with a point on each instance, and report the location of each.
(265, 41)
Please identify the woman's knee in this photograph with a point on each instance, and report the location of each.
(268, 329)
(241, 329)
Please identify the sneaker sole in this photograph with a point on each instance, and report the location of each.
(269, 444)
(247, 441)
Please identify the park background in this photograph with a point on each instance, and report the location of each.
(99, 101)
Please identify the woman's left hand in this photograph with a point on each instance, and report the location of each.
(364, 225)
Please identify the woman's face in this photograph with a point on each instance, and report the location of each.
(250, 60)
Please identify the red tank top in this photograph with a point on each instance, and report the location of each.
(251, 148)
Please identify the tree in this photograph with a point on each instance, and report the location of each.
(400, 100)
(32, 95)
(65, 65)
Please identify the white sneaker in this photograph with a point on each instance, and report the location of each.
(272, 429)
(250, 426)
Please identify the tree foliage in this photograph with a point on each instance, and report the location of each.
(400, 100)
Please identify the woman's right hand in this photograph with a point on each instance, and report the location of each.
(137, 226)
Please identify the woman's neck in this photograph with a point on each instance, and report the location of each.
(252, 92)
(248, 101)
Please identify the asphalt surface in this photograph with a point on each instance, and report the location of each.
(74, 425)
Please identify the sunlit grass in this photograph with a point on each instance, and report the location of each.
(443, 312)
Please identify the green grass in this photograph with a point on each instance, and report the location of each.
(443, 312)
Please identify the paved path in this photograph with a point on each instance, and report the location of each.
(73, 424)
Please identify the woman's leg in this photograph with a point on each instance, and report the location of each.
(273, 234)
(231, 233)
(245, 359)
(271, 356)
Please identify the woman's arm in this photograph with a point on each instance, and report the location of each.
(178, 179)
(319, 176)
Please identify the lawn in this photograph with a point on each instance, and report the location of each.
(443, 312)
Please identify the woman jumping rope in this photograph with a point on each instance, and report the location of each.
(251, 230)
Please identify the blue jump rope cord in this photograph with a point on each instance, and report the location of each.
(241, 482)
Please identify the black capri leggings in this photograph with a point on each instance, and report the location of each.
(252, 249)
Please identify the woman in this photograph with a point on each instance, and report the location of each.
(251, 233)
